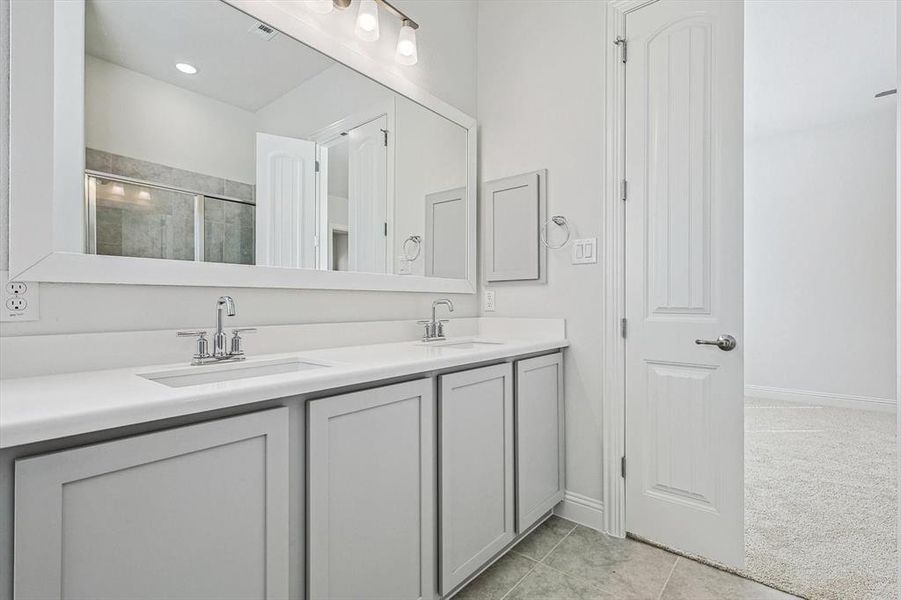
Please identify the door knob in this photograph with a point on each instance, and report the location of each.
(724, 343)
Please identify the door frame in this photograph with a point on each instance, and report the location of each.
(327, 136)
(613, 409)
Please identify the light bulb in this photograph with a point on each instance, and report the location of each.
(323, 7)
(186, 68)
(407, 53)
(367, 28)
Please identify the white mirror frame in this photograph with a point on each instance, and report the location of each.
(47, 164)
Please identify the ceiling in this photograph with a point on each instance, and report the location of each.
(812, 62)
(234, 64)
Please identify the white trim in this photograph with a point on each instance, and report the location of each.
(582, 510)
(613, 352)
(74, 267)
(821, 398)
(47, 147)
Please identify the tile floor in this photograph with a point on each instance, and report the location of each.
(564, 561)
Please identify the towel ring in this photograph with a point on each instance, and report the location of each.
(559, 221)
(415, 240)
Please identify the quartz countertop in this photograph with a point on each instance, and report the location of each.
(34, 409)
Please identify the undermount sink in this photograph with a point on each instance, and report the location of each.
(229, 372)
(462, 344)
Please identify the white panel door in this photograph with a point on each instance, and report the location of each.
(446, 245)
(371, 494)
(286, 221)
(367, 202)
(196, 512)
(684, 401)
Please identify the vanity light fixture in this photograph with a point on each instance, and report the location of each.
(367, 28)
(406, 53)
(367, 24)
(186, 68)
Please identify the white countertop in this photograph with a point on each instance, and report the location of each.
(34, 409)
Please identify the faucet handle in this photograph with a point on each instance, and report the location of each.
(191, 333)
(236, 348)
(202, 349)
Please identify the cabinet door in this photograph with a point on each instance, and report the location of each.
(476, 488)
(371, 491)
(194, 512)
(539, 437)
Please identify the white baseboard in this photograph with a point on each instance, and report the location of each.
(582, 510)
(821, 398)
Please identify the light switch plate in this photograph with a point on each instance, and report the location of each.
(20, 300)
(585, 251)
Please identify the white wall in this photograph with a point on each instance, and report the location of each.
(819, 258)
(430, 155)
(541, 105)
(140, 117)
(447, 42)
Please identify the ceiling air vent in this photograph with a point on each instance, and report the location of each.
(263, 31)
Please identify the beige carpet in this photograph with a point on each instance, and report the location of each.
(820, 500)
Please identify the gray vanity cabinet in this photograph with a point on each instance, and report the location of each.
(539, 437)
(195, 512)
(476, 481)
(371, 494)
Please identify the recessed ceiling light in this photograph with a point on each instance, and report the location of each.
(186, 68)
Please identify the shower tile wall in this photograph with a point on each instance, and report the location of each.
(163, 228)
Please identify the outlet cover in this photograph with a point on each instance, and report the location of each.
(488, 301)
(19, 300)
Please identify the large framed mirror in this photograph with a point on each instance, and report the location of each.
(203, 142)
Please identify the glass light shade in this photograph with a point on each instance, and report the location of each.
(323, 7)
(367, 28)
(407, 53)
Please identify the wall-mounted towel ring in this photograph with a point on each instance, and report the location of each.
(413, 242)
(559, 221)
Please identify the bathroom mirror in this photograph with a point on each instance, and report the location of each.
(216, 148)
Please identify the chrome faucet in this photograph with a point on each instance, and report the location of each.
(434, 329)
(221, 350)
(220, 340)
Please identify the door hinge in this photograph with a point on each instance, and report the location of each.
(317, 166)
(385, 134)
(622, 327)
(386, 229)
(621, 41)
(622, 466)
(624, 189)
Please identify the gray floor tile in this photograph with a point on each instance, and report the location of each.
(544, 583)
(498, 579)
(625, 568)
(543, 539)
(695, 581)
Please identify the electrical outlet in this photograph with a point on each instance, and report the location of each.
(488, 301)
(20, 300)
(585, 251)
